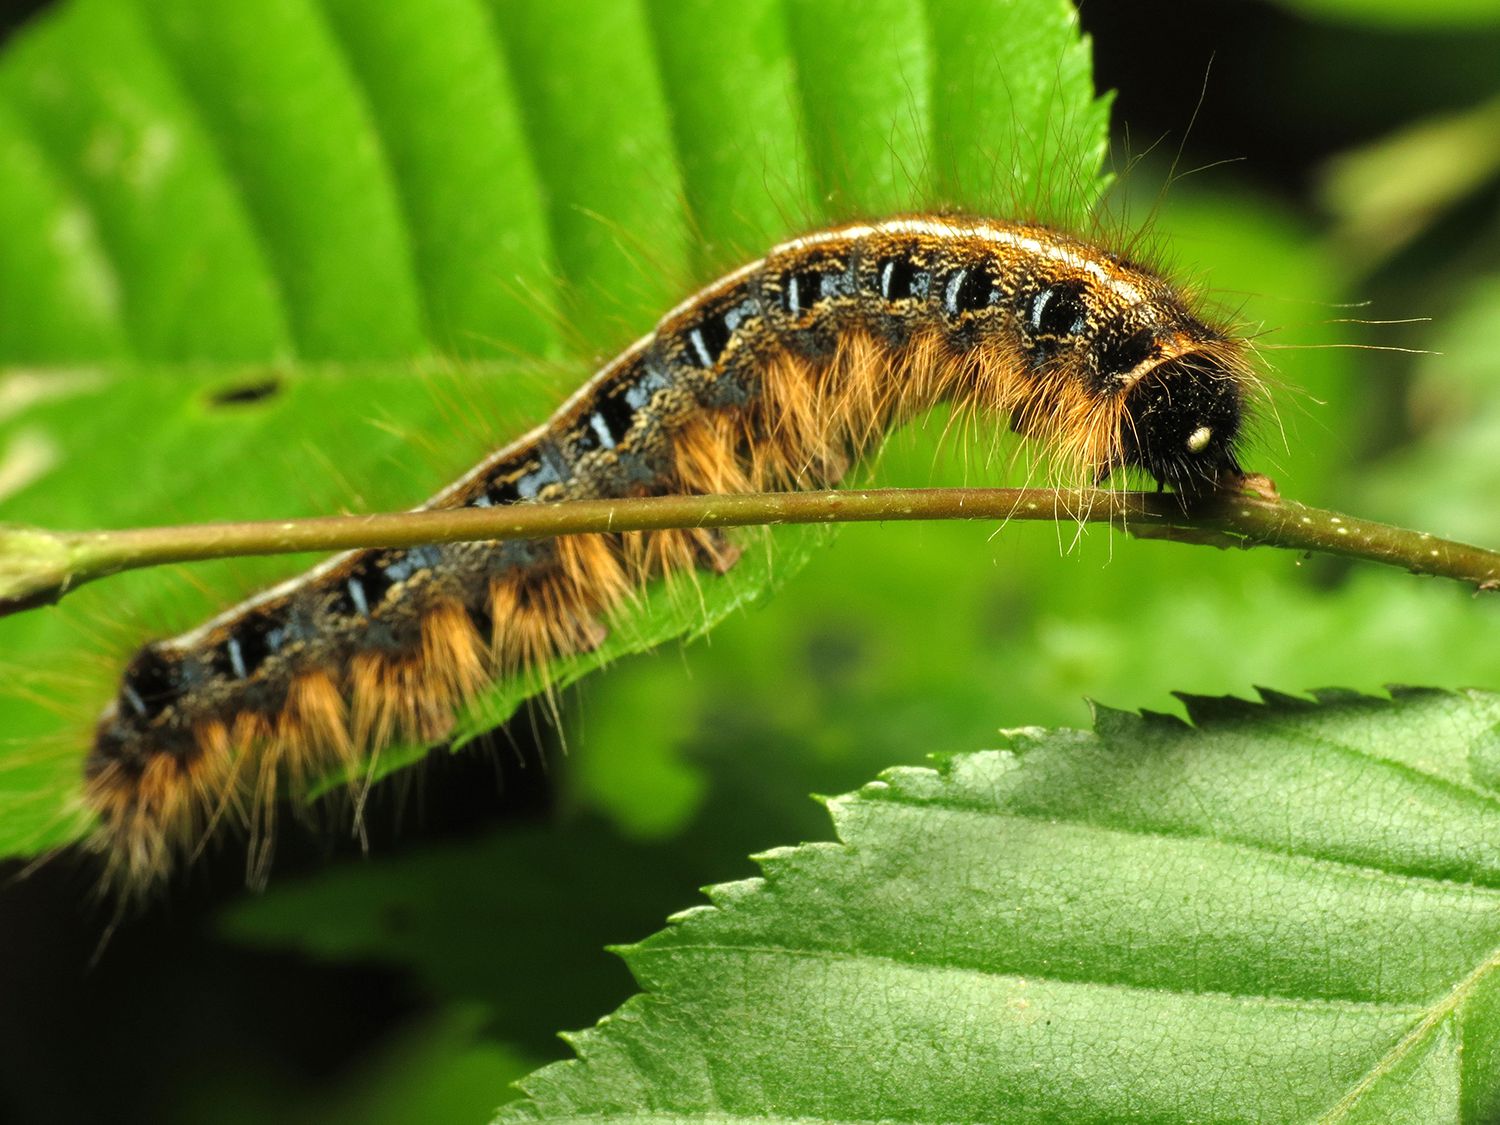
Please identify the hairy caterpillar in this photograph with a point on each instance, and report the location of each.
(776, 376)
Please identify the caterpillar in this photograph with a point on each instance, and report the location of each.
(778, 375)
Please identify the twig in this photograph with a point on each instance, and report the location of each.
(37, 567)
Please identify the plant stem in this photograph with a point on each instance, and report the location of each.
(38, 567)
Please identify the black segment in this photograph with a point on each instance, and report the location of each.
(351, 598)
(224, 660)
(708, 339)
(497, 493)
(615, 414)
(1058, 310)
(229, 660)
(801, 290)
(359, 597)
(253, 640)
(898, 279)
(968, 290)
(599, 427)
(1121, 355)
(151, 684)
(479, 616)
(369, 574)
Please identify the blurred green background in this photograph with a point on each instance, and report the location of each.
(1312, 164)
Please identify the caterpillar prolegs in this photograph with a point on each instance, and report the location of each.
(776, 376)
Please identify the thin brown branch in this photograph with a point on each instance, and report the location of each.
(38, 567)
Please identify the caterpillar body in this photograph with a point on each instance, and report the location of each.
(776, 376)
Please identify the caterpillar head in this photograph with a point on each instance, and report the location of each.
(1183, 420)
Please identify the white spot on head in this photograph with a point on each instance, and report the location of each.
(1198, 440)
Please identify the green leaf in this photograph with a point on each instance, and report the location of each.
(416, 225)
(1288, 911)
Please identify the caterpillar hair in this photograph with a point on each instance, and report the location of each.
(778, 375)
